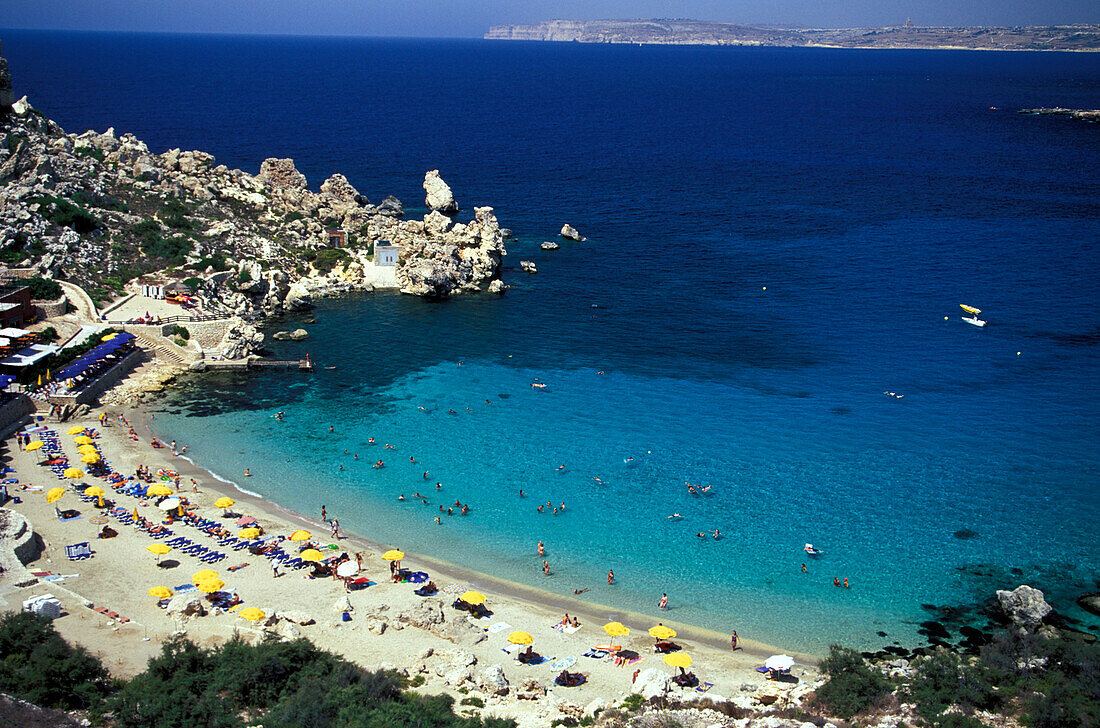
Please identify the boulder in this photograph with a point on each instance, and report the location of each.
(528, 266)
(493, 681)
(297, 297)
(240, 340)
(461, 632)
(186, 605)
(7, 96)
(570, 233)
(507, 234)
(280, 174)
(289, 630)
(439, 196)
(1090, 602)
(425, 615)
(652, 683)
(531, 690)
(21, 107)
(376, 626)
(297, 617)
(337, 186)
(497, 287)
(391, 207)
(343, 604)
(549, 246)
(1024, 605)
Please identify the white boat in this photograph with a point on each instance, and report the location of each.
(973, 319)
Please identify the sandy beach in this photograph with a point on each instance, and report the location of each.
(458, 654)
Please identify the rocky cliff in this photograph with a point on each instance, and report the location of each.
(101, 209)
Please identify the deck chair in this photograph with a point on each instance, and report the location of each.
(78, 551)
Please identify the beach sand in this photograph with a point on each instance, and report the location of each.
(122, 570)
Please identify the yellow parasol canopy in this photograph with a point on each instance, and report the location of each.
(678, 659)
(311, 555)
(520, 638)
(616, 629)
(32, 446)
(73, 473)
(54, 494)
(76, 430)
(252, 614)
(87, 450)
(110, 336)
(211, 586)
(662, 632)
(90, 458)
(393, 555)
(94, 491)
(205, 575)
(160, 592)
(159, 489)
(224, 502)
(83, 440)
(301, 536)
(473, 597)
(248, 533)
(160, 549)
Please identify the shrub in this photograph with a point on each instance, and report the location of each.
(44, 289)
(89, 152)
(193, 283)
(61, 212)
(633, 701)
(181, 332)
(293, 215)
(944, 679)
(48, 334)
(853, 686)
(37, 665)
(244, 276)
(474, 701)
(327, 258)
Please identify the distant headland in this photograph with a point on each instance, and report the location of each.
(908, 35)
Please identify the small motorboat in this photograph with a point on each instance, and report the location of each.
(973, 319)
(811, 550)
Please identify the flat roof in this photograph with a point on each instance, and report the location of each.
(30, 355)
(14, 333)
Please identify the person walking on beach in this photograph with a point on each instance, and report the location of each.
(663, 604)
(733, 640)
(336, 528)
(274, 569)
(324, 519)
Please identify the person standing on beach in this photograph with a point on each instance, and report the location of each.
(663, 604)
(323, 518)
(336, 528)
(733, 640)
(274, 569)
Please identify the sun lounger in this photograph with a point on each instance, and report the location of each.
(78, 551)
(597, 654)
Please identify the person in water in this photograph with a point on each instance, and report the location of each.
(610, 576)
(542, 549)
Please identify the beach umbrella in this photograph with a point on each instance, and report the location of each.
(678, 659)
(158, 489)
(224, 502)
(168, 504)
(32, 446)
(73, 473)
(520, 638)
(159, 549)
(54, 494)
(251, 614)
(393, 555)
(90, 458)
(311, 555)
(473, 597)
(160, 592)
(108, 337)
(248, 533)
(76, 430)
(779, 662)
(616, 629)
(211, 586)
(203, 575)
(83, 440)
(39, 380)
(87, 450)
(348, 568)
(301, 536)
(662, 632)
(95, 492)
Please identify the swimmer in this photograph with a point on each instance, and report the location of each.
(438, 486)
(845, 582)
(451, 411)
(562, 507)
(580, 591)
(521, 493)
(701, 535)
(401, 497)
(458, 502)
(379, 464)
(555, 511)
(247, 473)
(803, 568)
(465, 510)
(488, 401)
(441, 509)
(427, 475)
(422, 409)
(390, 447)
(546, 567)
(691, 489)
(540, 508)
(836, 581)
(469, 410)
(345, 451)
(706, 488)
(717, 534)
(450, 512)
(370, 441)
(674, 515)
(629, 459)
(331, 428)
(356, 456)
(412, 459)
(438, 521)
(425, 501)
(561, 467)
(610, 576)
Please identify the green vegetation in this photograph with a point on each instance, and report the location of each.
(474, 701)
(175, 215)
(633, 701)
(61, 212)
(48, 334)
(216, 261)
(244, 276)
(180, 332)
(37, 665)
(854, 687)
(155, 244)
(278, 684)
(89, 152)
(44, 289)
(193, 283)
(293, 215)
(324, 259)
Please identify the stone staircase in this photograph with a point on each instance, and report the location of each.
(163, 349)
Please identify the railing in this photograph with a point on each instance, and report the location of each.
(171, 320)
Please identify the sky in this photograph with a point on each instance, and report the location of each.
(471, 18)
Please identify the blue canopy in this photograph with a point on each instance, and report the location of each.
(5, 380)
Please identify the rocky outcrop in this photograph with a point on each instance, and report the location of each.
(391, 207)
(186, 605)
(1024, 605)
(528, 266)
(281, 174)
(7, 95)
(1090, 602)
(439, 196)
(240, 341)
(652, 683)
(295, 335)
(447, 258)
(570, 233)
(547, 245)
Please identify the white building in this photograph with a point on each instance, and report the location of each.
(385, 253)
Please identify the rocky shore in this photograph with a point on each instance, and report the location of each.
(101, 209)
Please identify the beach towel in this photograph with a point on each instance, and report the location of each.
(182, 588)
(563, 663)
(704, 687)
(636, 659)
(597, 654)
(498, 627)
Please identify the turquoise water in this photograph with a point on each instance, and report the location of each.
(869, 194)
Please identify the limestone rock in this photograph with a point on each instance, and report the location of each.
(280, 174)
(652, 683)
(425, 615)
(493, 681)
(343, 604)
(531, 690)
(507, 234)
(7, 97)
(21, 107)
(289, 631)
(186, 605)
(439, 196)
(297, 617)
(240, 340)
(570, 233)
(497, 287)
(376, 626)
(461, 632)
(337, 186)
(1024, 605)
(549, 246)
(528, 266)
(1090, 602)
(297, 297)
(391, 207)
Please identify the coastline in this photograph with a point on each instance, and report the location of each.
(593, 612)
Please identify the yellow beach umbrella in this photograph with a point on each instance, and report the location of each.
(248, 533)
(311, 555)
(160, 549)
(95, 490)
(204, 575)
(54, 494)
(108, 337)
(39, 380)
(616, 629)
(73, 473)
(252, 614)
(160, 592)
(90, 458)
(301, 536)
(520, 638)
(76, 430)
(159, 489)
(224, 502)
(662, 632)
(32, 446)
(678, 659)
(87, 448)
(211, 586)
(473, 597)
(393, 555)
(83, 440)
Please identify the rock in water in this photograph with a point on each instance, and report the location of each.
(528, 266)
(7, 95)
(570, 233)
(1090, 602)
(1024, 605)
(439, 197)
(391, 207)
(549, 246)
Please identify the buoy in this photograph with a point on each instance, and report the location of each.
(765, 288)
(944, 318)
(1017, 353)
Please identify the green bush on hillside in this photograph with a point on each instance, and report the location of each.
(37, 665)
(853, 687)
(44, 289)
(61, 212)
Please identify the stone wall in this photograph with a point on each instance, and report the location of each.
(13, 412)
(108, 379)
(18, 546)
(50, 309)
(207, 334)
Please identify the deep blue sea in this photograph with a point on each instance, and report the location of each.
(776, 237)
